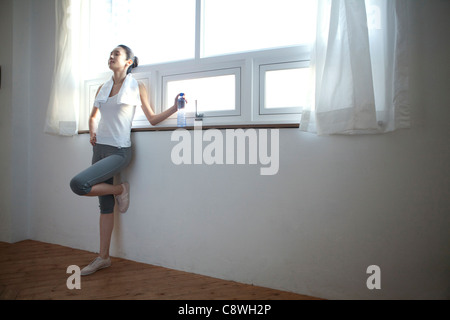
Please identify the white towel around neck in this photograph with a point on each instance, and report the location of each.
(128, 94)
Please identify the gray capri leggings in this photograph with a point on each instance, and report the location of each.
(107, 161)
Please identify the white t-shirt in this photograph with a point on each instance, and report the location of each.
(114, 127)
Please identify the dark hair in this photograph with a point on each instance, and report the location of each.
(130, 55)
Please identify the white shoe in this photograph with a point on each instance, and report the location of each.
(96, 265)
(123, 199)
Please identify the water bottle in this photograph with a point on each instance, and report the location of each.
(181, 116)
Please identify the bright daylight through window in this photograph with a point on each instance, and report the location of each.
(242, 25)
(157, 31)
(206, 92)
(284, 87)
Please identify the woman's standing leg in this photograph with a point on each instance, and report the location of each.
(106, 228)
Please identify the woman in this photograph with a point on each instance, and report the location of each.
(115, 101)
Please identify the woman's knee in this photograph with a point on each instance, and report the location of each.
(79, 186)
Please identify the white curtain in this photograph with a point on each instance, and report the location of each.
(62, 111)
(359, 66)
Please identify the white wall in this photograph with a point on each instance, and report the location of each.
(5, 118)
(15, 105)
(337, 205)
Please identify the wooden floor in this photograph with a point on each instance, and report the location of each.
(31, 270)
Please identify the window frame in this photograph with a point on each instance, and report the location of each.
(249, 85)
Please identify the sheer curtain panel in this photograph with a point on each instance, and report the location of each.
(62, 110)
(359, 67)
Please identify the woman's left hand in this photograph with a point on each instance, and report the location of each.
(176, 101)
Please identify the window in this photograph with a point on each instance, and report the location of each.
(283, 87)
(244, 25)
(215, 93)
(232, 59)
(157, 31)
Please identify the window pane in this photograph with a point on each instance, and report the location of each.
(157, 31)
(243, 25)
(212, 93)
(286, 88)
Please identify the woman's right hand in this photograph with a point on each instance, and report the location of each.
(93, 139)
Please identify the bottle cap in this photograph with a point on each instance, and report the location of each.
(181, 94)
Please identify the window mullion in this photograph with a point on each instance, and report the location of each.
(198, 28)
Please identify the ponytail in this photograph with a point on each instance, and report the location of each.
(130, 55)
(134, 65)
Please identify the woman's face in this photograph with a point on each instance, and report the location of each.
(118, 60)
